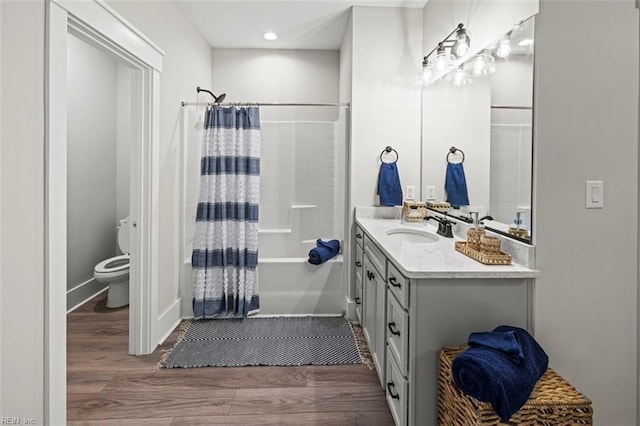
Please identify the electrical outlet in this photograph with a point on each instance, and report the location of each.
(431, 192)
(411, 192)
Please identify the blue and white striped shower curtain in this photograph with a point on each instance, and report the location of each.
(225, 246)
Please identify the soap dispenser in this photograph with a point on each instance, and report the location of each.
(518, 228)
(474, 234)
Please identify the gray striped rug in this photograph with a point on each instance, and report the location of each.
(278, 341)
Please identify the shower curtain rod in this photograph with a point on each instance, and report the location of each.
(265, 104)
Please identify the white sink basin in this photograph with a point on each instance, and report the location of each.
(412, 235)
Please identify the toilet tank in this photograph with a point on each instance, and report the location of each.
(123, 235)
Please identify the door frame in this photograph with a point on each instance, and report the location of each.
(101, 26)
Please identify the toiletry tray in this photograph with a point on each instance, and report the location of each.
(487, 259)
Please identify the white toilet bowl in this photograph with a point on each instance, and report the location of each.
(115, 270)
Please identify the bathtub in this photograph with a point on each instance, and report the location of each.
(289, 286)
(293, 286)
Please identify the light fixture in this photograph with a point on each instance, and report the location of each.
(504, 47)
(447, 51)
(269, 35)
(483, 64)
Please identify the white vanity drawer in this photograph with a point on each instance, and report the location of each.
(398, 333)
(358, 301)
(377, 258)
(399, 285)
(397, 393)
(359, 236)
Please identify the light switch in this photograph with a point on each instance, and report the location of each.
(594, 194)
(411, 192)
(431, 192)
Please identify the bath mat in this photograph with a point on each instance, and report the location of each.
(273, 341)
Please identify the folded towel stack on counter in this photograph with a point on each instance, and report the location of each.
(500, 367)
(323, 251)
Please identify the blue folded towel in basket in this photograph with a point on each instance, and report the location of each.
(323, 251)
(500, 367)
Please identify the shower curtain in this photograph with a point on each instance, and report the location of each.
(225, 246)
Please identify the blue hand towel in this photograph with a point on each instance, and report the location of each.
(493, 371)
(389, 188)
(456, 185)
(323, 251)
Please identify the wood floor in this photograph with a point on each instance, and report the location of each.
(105, 386)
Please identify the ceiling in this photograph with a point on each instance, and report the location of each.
(300, 24)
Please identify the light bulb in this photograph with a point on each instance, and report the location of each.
(483, 64)
(461, 49)
(504, 48)
(461, 44)
(442, 61)
(427, 74)
(459, 78)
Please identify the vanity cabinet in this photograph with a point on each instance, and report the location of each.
(437, 313)
(372, 288)
(359, 267)
(410, 313)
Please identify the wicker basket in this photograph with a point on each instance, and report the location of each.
(488, 259)
(553, 401)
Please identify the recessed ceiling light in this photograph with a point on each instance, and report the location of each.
(526, 42)
(270, 36)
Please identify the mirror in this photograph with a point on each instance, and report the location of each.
(483, 108)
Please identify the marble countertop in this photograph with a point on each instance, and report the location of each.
(435, 259)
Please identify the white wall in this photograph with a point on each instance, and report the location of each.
(385, 100)
(91, 164)
(278, 75)
(187, 64)
(1, 201)
(22, 213)
(125, 140)
(586, 127)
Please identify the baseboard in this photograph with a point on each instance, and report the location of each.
(83, 292)
(351, 310)
(169, 320)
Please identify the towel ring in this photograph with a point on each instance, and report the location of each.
(453, 150)
(388, 150)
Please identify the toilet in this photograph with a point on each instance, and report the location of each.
(115, 270)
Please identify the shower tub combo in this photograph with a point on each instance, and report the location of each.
(302, 198)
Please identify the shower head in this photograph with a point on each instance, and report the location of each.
(220, 98)
(216, 99)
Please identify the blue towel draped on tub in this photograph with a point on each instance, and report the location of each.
(323, 251)
(389, 188)
(500, 367)
(455, 184)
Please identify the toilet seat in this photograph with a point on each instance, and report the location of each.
(113, 264)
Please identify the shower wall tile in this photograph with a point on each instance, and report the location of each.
(510, 180)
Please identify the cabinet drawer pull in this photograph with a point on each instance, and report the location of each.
(392, 328)
(394, 282)
(358, 301)
(390, 387)
(358, 264)
(358, 235)
(370, 275)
